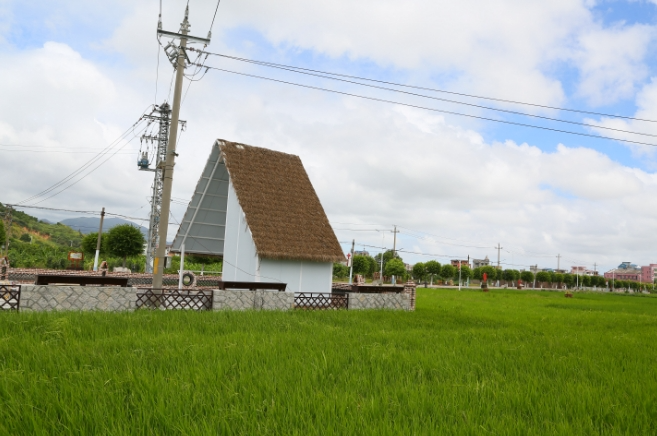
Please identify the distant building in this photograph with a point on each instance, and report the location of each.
(361, 253)
(477, 263)
(456, 262)
(408, 267)
(625, 271)
(649, 273)
(582, 271)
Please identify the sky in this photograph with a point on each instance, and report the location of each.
(456, 177)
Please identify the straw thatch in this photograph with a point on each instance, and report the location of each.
(282, 209)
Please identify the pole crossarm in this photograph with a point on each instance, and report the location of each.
(182, 36)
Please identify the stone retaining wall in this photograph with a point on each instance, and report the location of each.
(380, 301)
(252, 300)
(115, 299)
(106, 298)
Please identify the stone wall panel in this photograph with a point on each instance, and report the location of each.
(252, 300)
(107, 298)
(379, 301)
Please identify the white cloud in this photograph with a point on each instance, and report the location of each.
(611, 62)
(646, 102)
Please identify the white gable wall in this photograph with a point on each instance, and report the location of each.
(241, 261)
(300, 276)
(240, 258)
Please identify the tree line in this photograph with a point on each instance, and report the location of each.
(433, 271)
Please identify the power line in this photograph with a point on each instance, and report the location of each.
(90, 172)
(213, 17)
(59, 152)
(284, 66)
(292, 69)
(570, 132)
(88, 212)
(46, 147)
(86, 164)
(443, 242)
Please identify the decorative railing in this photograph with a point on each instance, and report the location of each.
(321, 301)
(167, 299)
(10, 297)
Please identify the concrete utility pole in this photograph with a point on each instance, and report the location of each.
(8, 230)
(100, 233)
(498, 254)
(351, 261)
(160, 253)
(558, 262)
(394, 242)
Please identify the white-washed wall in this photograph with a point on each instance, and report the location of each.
(300, 276)
(240, 258)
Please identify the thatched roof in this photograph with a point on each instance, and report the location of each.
(282, 209)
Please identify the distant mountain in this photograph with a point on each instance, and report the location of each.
(90, 224)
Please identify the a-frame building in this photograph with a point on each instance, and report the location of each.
(257, 210)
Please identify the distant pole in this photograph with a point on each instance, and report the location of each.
(382, 248)
(498, 255)
(160, 253)
(394, 251)
(100, 233)
(459, 275)
(394, 243)
(351, 261)
(182, 266)
(8, 230)
(613, 280)
(558, 262)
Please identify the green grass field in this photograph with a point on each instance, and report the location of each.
(505, 362)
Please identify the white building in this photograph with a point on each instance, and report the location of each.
(257, 210)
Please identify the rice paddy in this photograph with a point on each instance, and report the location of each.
(503, 362)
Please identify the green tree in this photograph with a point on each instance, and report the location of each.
(361, 265)
(527, 277)
(125, 240)
(568, 280)
(419, 271)
(373, 266)
(89, 243)
(448, 272)
(25, 237)
(478, 273)
(585, 281)
(387, 257)
(395, 267)
(433, 268)
(543, 277)
(558, 278)
(598, 281)
(466, 273)
(340, 271)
